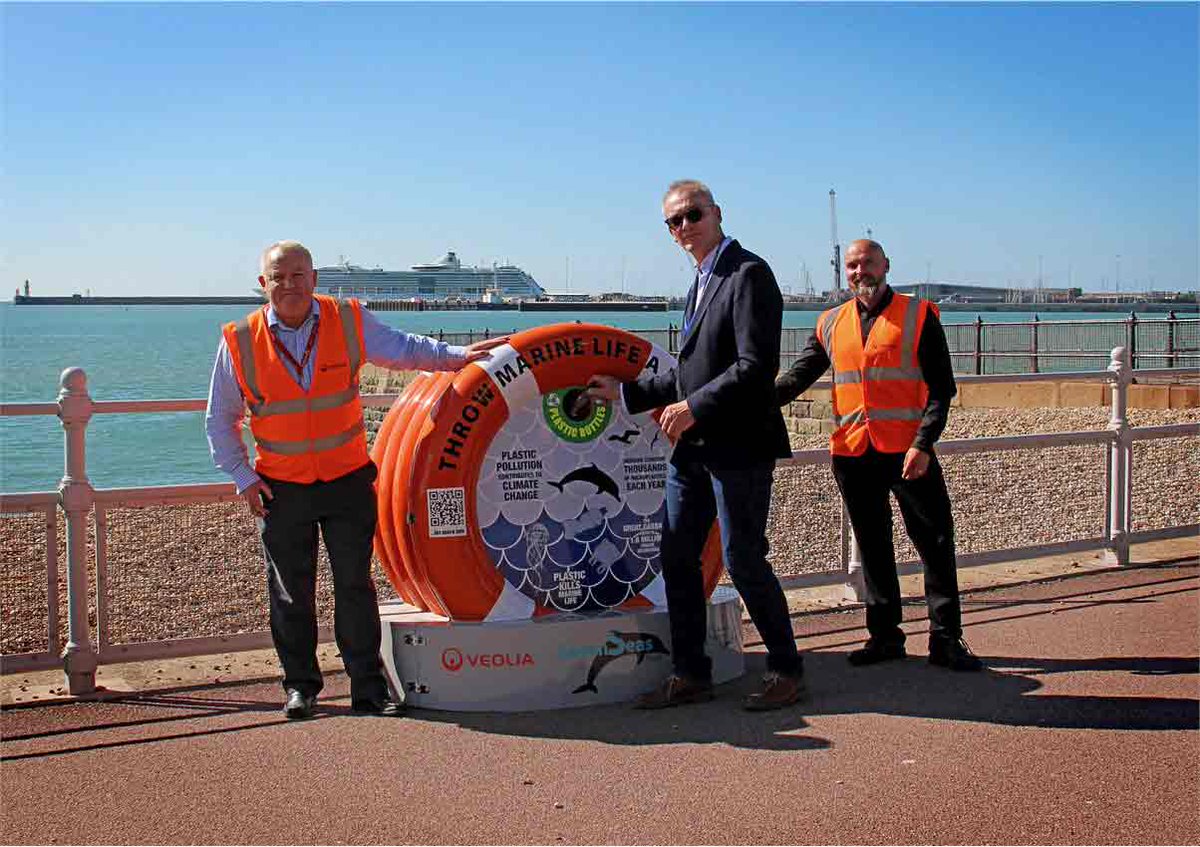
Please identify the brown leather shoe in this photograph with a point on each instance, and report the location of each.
(777, 691)
(675, 690)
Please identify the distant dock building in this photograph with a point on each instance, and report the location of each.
(946, 292)
(445, 279)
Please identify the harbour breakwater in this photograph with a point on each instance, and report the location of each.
(80, 300)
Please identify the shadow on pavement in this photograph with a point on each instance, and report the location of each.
(1004, 694)
(721, 721)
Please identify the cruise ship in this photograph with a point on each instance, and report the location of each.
(445, 279)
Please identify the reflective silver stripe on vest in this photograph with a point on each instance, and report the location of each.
(909, 414)
(885, 374)
(246, 359)
(299, 448)
(304, 404)
(350, 333)
(839, 377)
(827, 330)
(906, 414)
(908, 337)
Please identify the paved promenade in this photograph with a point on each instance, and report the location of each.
(1083, 731)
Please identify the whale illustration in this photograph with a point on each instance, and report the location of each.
(625, 436)
(591, 474)
(616, 646)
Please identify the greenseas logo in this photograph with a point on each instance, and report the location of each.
(575, 417)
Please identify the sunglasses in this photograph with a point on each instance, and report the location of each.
(693, 216)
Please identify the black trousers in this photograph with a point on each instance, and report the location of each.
(865, 482)
(345, 511)
(739, 498)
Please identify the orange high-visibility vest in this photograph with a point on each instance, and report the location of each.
(879, 392)
(303, 436)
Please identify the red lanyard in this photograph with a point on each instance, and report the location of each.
(312, 340)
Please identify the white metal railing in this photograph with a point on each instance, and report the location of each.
(77, 499)
(45, 504)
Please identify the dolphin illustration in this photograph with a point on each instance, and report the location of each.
(614, 648)
(625, 436)
(590, 473)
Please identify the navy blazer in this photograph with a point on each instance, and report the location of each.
(727, 364)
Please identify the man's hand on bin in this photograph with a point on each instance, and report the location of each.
(604, 387)
(479, 350)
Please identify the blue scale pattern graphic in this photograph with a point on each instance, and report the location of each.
(591, 563)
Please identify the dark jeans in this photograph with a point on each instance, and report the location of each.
(345, 511)
(739, 497)
(865, 482)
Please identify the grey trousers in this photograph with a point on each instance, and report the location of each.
(345, 511)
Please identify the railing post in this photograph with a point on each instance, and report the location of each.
(978, 345)
(76, 497)
(672, 345)
(1171, 320)
(1119, 493)
(1033, 343)
(855, 587)
(1131, 339)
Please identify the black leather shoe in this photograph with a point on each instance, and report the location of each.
(874, 652)
(299, 705)
(953, 654)
(675, 690)
(379, 706)
(778, 690)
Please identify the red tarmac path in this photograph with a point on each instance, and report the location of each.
(1085, 730)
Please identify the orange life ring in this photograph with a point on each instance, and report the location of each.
(383, 490)
(505, 493)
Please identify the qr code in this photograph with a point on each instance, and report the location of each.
(447, 512)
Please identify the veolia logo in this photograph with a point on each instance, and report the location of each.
(452, 659)
(575, 417)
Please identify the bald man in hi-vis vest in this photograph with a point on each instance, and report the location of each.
(892, 386)
(294, 363)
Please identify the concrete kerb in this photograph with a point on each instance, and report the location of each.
(115, 681)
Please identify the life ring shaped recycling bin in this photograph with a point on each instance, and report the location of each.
(507, 495)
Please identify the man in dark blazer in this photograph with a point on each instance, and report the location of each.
(718, 406)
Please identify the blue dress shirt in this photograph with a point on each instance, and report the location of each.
(391, 348)
(703, 275)
(705, 269)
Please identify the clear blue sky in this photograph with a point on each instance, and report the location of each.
(157, 148)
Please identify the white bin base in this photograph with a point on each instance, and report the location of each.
(556, 662)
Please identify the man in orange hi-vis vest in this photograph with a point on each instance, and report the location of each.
(294, 364)
(892, 386)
